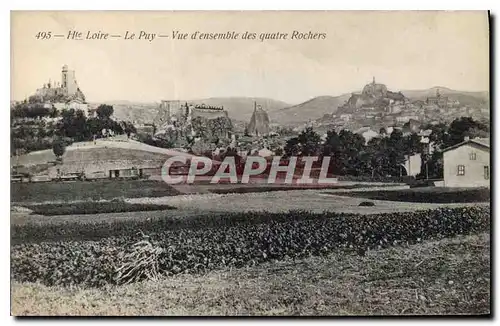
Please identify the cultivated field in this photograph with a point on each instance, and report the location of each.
(450, 276)
(294, 252)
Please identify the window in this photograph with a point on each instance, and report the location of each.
(461, 170)
(472, 156)
(486, 172)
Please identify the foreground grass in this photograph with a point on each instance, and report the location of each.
(450, 276)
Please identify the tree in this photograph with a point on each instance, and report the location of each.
(292, 147)
(104, 111)
(279, 151)
(376, 161)
(94, 126)
(462, 127)
(79, 126)
(307, 143)
(351, 146)
(411, 144)
(230, 151)
(332, 143)
(33, 110)
(58, 147)
(435, 165)
(310, 142)
(129, 128)
(333, 148)
(395, 151)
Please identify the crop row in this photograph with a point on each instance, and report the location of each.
(192, 250)
(115, 206)
(427, 195)
(76, 231)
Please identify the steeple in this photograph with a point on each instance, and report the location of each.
(373, 80)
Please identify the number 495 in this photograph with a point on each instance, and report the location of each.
(43, 35)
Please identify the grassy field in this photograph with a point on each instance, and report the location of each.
(200, 205)
(427, 195)
(93, 208)
(96, 190)
(253, 188)
(278, 201)
(450, 276)
(110, 189)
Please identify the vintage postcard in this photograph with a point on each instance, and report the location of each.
(260, 163)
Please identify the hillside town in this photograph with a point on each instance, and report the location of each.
(377, 107)
(372, 119)
(160, 168)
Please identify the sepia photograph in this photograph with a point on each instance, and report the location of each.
(250, 163)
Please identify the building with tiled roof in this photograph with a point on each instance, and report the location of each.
(467, 164)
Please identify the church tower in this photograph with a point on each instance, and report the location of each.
(64, 78)
(68, 81)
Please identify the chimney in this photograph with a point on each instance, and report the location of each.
(466, 138)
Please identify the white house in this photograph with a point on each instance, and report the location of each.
(413, 164)
(406, 118)
(367, 133)
(467, 164)
(264, 152)
(346, 116)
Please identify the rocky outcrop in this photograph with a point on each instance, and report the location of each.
(210, 124)
(259, 123)
(373, 95)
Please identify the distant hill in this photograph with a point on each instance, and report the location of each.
(464, 97)
(309, 110)
(319, 106)
(238, 108)
(241, 108)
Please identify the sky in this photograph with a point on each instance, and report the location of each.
(403, 50)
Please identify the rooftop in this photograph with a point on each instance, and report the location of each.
(485, 142)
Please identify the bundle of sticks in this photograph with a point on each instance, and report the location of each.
(141, 263)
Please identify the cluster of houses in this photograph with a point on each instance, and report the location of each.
(466, 164)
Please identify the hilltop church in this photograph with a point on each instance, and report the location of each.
(62, 95)
(373, 95)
